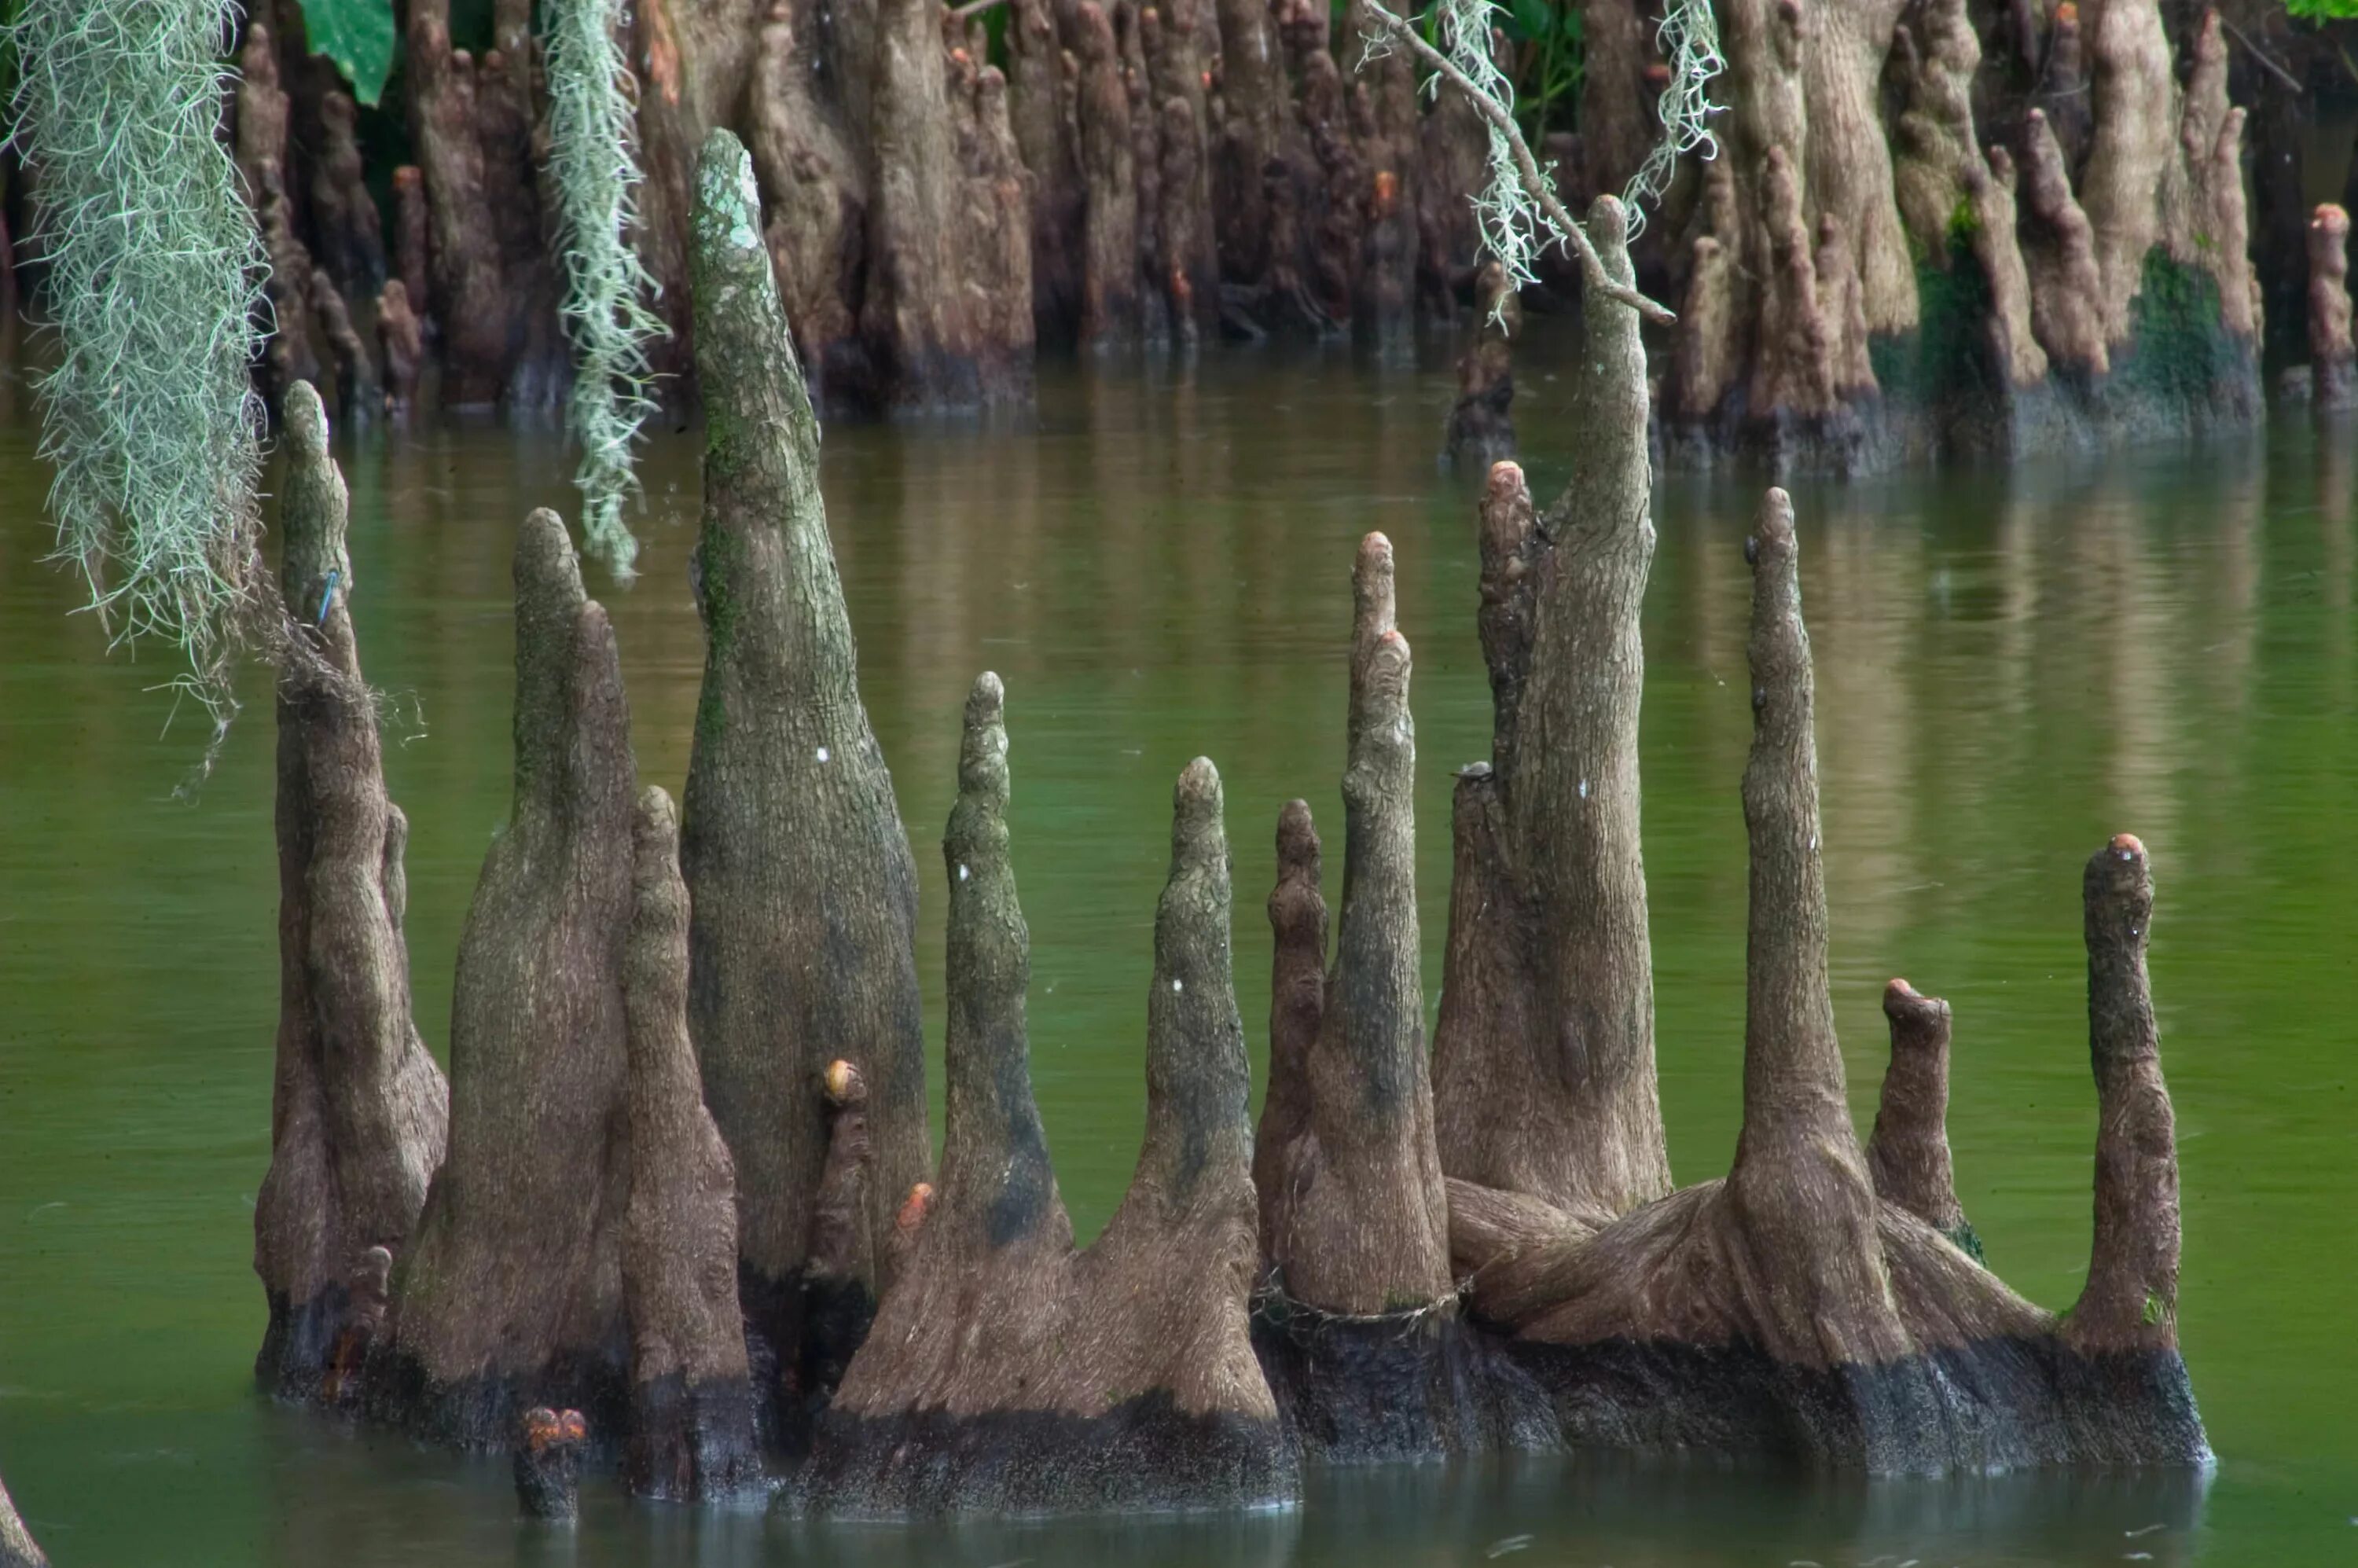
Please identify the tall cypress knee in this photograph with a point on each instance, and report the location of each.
(511, 1295)
(1543, 1066)
(1360, 1335)
(2130, 1300)
(803, 931)
(359, 1110)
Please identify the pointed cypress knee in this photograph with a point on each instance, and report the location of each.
(1006, 1371)
(18, 1547)
(1800, 1188)
(510, 1295)
(2130, 1301)
(691, 1398)
(1358, 1332)
(1544, 1063)
(359, 1110)
(1908, 1155)
(803, 931)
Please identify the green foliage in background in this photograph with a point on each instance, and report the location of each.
(2323, 9)
(593, 164)
(359, 36)
(150, 421)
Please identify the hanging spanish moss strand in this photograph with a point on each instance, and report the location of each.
(593, 160)
(150, 421)
(1689, 40)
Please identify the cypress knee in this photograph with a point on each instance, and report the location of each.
(359, 1111)
(1909, 1153)
(511, 1293)
(1358, 1329)
(801, 933)
(18, 1547)
(691, 1396)
(1543, 1065)
(1007, 1371)
(2332, 355)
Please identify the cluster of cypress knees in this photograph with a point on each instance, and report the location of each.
(675, 1210)
(1932, 227)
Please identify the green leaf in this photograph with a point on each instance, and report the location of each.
(358, 36)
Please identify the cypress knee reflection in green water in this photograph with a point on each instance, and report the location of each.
(2011, 666)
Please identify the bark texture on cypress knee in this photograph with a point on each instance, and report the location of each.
(803, 930)
(511, 1291)
(359, 1110)
(1482, 424)
(1009, 1372)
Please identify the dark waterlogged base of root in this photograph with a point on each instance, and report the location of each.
(1144, 1454)
(1352, 1392)
(824, 1321)
(1997, 1404)
(693, 1444)
(485, 1414)
(296, 1347)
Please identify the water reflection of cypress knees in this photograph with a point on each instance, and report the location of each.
(359, 1110)
(1482, 424)
(803, 931)
(1007, 1370)
(1793, 1306)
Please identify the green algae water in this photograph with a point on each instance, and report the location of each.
(2012, 666)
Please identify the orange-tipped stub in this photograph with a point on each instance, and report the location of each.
(570, 1427)
(542, 1427)
(914, 1207)
(2127, 846)
(843, 1082)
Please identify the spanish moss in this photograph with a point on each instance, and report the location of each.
(593, 160)
(151, 423)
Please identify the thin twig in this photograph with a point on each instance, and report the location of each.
(971, 9)
(1535, 184)
(2279, 73)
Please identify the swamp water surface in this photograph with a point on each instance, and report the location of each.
(2012, 665)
